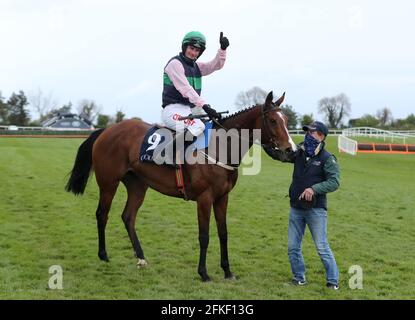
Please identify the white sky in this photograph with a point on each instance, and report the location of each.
(114, 51)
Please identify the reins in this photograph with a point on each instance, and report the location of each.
(265, 126)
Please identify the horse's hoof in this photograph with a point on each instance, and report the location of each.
(141, 263)
(206, 279)
(103, 257)
(230, 278)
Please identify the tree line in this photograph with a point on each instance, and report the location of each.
(335, 110)
(15, 110)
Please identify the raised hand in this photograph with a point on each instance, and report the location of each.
(224, 42)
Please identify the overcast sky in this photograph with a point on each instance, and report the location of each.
(114, 51)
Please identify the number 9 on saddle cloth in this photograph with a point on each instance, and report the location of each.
(157, 140)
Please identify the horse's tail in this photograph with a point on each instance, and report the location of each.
(83, 165)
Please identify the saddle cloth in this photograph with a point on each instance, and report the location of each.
(156, 135)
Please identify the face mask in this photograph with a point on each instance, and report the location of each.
(310, 145)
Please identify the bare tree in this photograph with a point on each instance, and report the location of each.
(384, 116)
(88, 109)
(251, 97)
(335, 109)
(42, 104)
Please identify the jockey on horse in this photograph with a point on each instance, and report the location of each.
(182, 85)
(112, 153)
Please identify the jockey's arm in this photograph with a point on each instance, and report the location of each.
(217, 63)
(175, 71)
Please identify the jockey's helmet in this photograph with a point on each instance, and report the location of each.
(196, 39)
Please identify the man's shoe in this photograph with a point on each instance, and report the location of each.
(332, 286)
(298, 282)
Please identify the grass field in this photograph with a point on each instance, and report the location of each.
(371, 224)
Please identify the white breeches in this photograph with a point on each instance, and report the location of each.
(171, 113)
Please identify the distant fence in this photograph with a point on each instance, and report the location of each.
(301, 132)
(378, 133)
(29, 132)
(13, 131)
(348, 145)
(386, 148)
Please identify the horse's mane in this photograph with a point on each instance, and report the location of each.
(238, 113)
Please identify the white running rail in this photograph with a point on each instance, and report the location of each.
(347, 145)
(376, 133)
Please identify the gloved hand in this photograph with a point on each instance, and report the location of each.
(211, 112)
(224, 42)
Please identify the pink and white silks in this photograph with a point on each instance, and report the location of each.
(172, 112)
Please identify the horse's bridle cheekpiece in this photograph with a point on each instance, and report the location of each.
(265, 126)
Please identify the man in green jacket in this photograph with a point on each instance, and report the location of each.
(315, 174)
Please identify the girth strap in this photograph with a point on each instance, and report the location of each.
(180, 181)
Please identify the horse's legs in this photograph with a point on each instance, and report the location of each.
(204, 207)
(220, 207)
(136, 190)
(105, 199)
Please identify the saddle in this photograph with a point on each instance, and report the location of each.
(158, 135)
(158, 138)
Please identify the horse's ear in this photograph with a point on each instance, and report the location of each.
(268, 100)
(280, 100)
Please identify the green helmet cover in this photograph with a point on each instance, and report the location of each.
(195, 38)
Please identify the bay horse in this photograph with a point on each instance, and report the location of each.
(113, 153)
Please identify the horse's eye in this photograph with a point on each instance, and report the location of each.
(273, 121)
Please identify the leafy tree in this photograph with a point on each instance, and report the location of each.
(103, 120)
(410, 120)
(406, 124)
(288, 110)
(306, 119)
(366, 120)
(119, 116)
(18, 115)
(335, 109)
(4, 111)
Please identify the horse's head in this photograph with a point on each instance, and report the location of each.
(274, 125)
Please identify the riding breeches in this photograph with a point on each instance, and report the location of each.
(172, 112)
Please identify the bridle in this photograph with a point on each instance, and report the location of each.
(266, 127)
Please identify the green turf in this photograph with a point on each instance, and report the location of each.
(371, 224)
